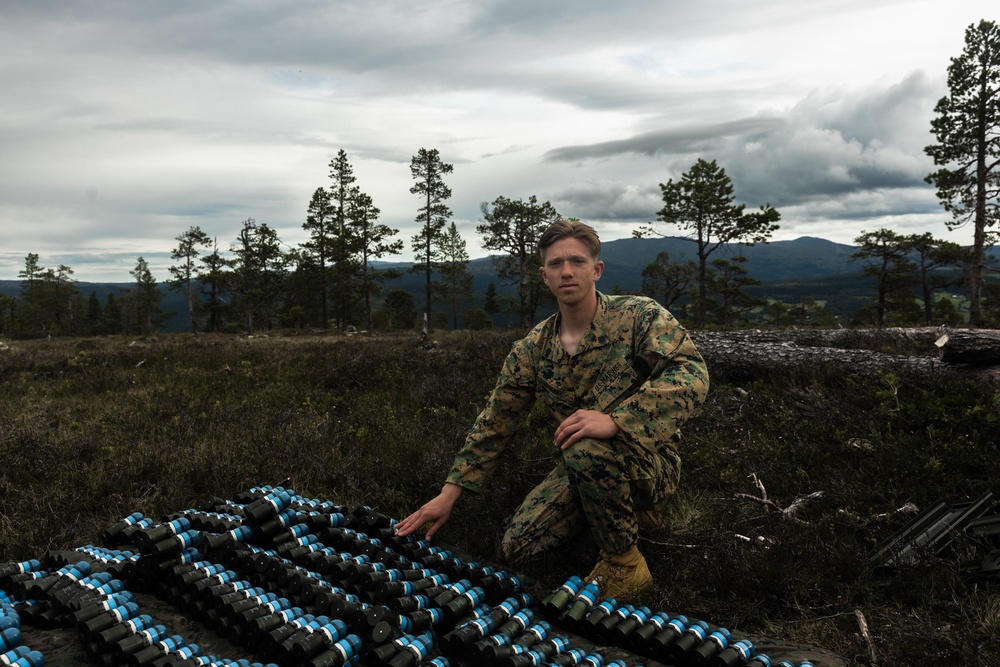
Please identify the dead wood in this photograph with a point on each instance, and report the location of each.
(969, 346)
(853, 350)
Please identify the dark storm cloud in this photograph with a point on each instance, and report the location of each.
(602, 200)
(685, 140)
(831, 145)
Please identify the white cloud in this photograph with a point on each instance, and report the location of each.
(124, 123)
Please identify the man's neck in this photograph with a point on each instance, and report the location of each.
(574, 320)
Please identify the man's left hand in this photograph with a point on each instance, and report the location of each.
(585, 424)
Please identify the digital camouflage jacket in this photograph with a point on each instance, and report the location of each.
(635, 363)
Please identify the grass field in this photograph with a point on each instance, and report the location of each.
(94, 429)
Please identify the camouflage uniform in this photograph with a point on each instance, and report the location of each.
(635, 363)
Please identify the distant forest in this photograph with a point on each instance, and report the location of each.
(805, 282)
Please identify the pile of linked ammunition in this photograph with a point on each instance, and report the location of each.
(299, 582)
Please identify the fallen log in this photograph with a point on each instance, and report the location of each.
(750, 349)
(969, 346)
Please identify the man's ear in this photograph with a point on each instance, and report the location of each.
(598, 270)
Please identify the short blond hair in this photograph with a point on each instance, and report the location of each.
(569, 229)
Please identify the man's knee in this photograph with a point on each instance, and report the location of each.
(519, 547)
(592, 459)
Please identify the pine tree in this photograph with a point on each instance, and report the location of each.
(701, 202)
(930, 255)
(184, 274)
(514, 228)
(212, 277)
(259, 272)
(343, 245)
(373, 241)
(145, 298)
(886, 254)
(428, 170)
(319, 223)
(455, 284)
(666, 280)
(967, 128)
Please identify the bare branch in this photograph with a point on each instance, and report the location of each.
(786, 512)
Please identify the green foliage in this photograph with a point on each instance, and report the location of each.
(259, 272)
(886, 258)
(476, 319)
(141, 304)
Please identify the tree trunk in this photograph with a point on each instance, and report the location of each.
(860, 351)
(975, 346)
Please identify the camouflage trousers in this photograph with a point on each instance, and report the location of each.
(598, 485)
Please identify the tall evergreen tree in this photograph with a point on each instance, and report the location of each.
(967, 128)
(259, 272)
(455, 282)
(373, 240)
(184, 274)
(145, 298)
(60, 295)
(30, 275)
(320, 223)
(729, 278)
(29, 317)
(112, 315)
(95, 315)
(491, 302)
(212, 276)
(428, 171)
(701, 203)
(514, 228)
(345, 244)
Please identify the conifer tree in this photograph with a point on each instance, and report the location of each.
(702, 204)
(373, 242)
(967, 128)
(514, 227)
(428, 171)
(183, 275)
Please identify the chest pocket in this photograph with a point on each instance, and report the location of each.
(555, 386)
(618, 380)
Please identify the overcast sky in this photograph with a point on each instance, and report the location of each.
(124, 123)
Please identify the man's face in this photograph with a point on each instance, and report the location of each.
(569, 271)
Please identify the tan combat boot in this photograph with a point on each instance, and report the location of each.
(624, 577)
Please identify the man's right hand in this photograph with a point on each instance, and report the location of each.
(435, 512)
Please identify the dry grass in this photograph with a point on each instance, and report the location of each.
(92, 430)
